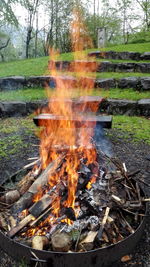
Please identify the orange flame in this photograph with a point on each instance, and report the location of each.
(61, 134)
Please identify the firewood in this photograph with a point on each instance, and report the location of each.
(21, 225)
(26, 200)
(3, 221)
(36, 209)
(32, 163)
(100, 232)
(117, 199)
(39, 242)
(23, 203)
(26, 182)
(61, 242)
(42, 180)
(10, 197)
(40, 206)
(35, 222)
(88, 242)
(12, 221)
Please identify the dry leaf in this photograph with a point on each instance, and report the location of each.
(126, 258)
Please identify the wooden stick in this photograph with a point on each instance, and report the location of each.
(99, 235)
(22, 224)
(31, 164)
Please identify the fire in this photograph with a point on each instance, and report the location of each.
(63, 135)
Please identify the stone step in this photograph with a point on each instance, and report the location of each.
(104, 66)
(15, 83)
(120, 55)
(107, 106)
(84, 120)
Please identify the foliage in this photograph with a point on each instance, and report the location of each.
(7, 14)
(107, 21)
(145, 6)
(139, 37)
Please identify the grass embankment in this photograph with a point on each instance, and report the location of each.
(14, 132)
(38, 66)
(39, 93)
(135, 128)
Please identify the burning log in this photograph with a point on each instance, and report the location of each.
(21, 225)
(39, 242)
(26, 200)
(35, 211)
(27, 181)
(61, 242)
(44, 177)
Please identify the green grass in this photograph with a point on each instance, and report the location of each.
(140, 47)
(115, 75)
(15, 132)
(26, 67)
(136, 128)
(117, 93)
(118, 75)
(39, 93)
(122, 61)
(23, 95)
(11, 139)
(39, 66)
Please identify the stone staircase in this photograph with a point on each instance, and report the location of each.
(109, 106)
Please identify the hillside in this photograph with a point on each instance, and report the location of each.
(38, 66)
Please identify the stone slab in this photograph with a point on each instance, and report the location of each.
(12, 109)
(84, 120)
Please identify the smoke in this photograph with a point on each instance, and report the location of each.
(102, 142)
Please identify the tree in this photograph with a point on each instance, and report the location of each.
(145, 6)
(59, 14)
(6, 13)
(108, 19)
(31, 7)
(128, 17)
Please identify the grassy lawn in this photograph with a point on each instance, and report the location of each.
(140, 47)
(39, 93)
(10, 142)
(13, 131)
(38, 66)
(137, 128)
(26, 67)
(119, 75)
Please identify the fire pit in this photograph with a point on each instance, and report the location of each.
(103, 255)
(77, 205)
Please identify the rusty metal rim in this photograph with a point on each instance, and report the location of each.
(114, 252)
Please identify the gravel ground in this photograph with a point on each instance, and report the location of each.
(135, 155)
